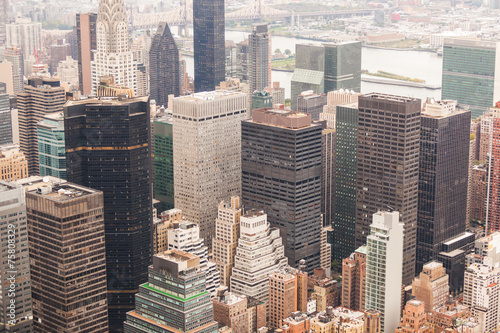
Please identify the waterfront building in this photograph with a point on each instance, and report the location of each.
(309, 71)
(209, 44)
(121, 170)
(389, 125)
(41, 96)
(174, 299)
(207, 154)
(64, 221)
(17, 308)
(443, 177)
(164, 70)
(250, 277)
(227, 233)
(281, 160)
(51, 145)
(384, 264)
(343, 66)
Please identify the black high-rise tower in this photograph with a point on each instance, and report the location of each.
(163, 66)
(209, 44)
(107, 149)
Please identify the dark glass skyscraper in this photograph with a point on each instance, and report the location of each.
(343, 66)
(387, 173)
(209, 44)
(164, 65)
(443, 177)
(163, 140)
(346, 147)
(281, 172)
(107, 148)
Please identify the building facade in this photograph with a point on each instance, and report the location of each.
(25, 34)
(431, 286)
(14, 55)
(121, 170)
(207, 154)
(66, 230)
(467, 65)
(479, 192)
(384, 262)
(259, 63)
(250, 277)
(163, 161)
(328, 139)
(40, 97)
(164, 66)
(86, 37)
(51, 145)
(5, 116)
(13, 163)
(443, 177)
(16, 305)
(414, 318)
(390, 126)
(209, 42)
(281, 171)
(346, 157)
(343, 66)
(231, 310)
(227, 233)
(112, 55)
(312, 103)
(353, 280)
(174, 299)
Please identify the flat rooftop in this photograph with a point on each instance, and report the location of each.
(61, 192)
(4, 186)
(282, 118)
(106, 101)
(388, 97)
(203, 96)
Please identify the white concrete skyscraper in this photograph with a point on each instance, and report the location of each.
(384, 268)
(113, 55)
(207, 154)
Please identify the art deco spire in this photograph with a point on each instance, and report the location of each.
(112, 27)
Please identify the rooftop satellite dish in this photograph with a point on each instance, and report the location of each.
(45, 179)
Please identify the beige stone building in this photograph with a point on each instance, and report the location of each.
(207, 154)
(231, 310)
(431, 286)
(227, 232)
(338, 320)
(414, 318)
(353, 280)
(13, 163)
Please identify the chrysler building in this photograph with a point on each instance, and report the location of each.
(113, 55)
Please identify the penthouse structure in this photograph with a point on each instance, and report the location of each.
(66, 229)
(207, 154)
(15, 270)
(176, 288)
(250, 277)
(281, 171)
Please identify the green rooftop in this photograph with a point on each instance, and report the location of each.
(147, 286)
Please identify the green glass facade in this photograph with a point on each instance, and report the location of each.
(343, 66)
(346, 163)
(51, 146)
(262, 99)
(469, 74)
(163, 162)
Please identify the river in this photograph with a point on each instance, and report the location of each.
(422, 65)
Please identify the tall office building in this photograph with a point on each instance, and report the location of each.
(3, 21)
(121, 170)
(309, 71)
(281, 171)
(335, 98)
(40, 97)
(13, 163)
(16, 304)
(66, 233)
(384, 263)
(250, 277)
(482, 295)
(5, 116)
(164, 75)
(51, 145)
(207, 154)
(209, 44)
(343, 66)
(15, 56)
(431, 286)
(443, 177)
(112, 55)
(328, 137)
(346, 164)
(163, 161)
(86, 36)
(227, 233)
(25, 34)
(479, 192)
(470, 74)
(259, 62)
(353, 280)
(388, 179)
(174, 299)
